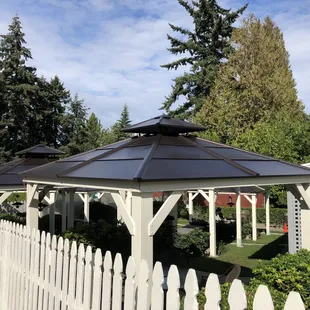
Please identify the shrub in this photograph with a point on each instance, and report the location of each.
(103, 235)
(285, 273)
(250, 290)
(182, 211)
(194, 243)
(99, 211)
(12, 218)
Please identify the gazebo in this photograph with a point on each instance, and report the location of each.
(163, 156)
(10, 178)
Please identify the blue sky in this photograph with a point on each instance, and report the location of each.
(110, 51)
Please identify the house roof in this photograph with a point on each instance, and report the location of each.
(28, 159)
(164, 153)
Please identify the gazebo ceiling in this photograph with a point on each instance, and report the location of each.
(164, 153)
(30, 158)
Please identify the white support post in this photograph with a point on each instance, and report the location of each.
(4, 197)
(63, 212)
(86, 207)
(254, 218)
(142, 241)
(52, 199)
(238, 218)
(190, 207)
(163, 212)
(267, 207)
(123, 195)
(32, 212)
(128, 201)
(212, 223)
(71, 208)
(305, 228)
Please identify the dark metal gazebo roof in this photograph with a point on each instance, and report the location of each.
(30, 158)
(163, 154)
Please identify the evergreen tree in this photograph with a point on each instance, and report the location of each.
(55, 98)
(74, 124)
(94, 132)
(122, 123)
(204, 49)
(256, 84)
(19, 92)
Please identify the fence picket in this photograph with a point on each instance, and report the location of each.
(80, 276)
(130, 285)
(12, 269)
(157, 287)
(46, 270)
(65, 276)
(143, 301)
(97, 282)
(88, 279)
(117, 288)
(36, 267)
(237, 297)
(42, 270)
(27, 266)
(59, 266)
(173, 283)
(19, 259)
(294, 302)
(72, 277)
(52, 278)
(106, 282)
(192, 290)
(262, 299)
(213, 293)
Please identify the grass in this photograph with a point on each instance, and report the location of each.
(182, 222)
(247, 257)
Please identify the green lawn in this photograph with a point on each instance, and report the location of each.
(247, 257)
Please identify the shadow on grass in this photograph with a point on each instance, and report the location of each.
(202, 263)
(272, 249)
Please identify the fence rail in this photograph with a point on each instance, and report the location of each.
(38, 272)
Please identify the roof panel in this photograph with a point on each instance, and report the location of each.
(50, 171)
(129, 153)
(161, 169)
(273, 168)
(170, 151)
(86, 156)
(120, 169)
(231, 153)
(115, 145)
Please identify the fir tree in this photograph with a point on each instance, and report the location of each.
(204, 49)
(19, 92)
(94, 132)
(255, 85)
(74, 124)
(122, 123)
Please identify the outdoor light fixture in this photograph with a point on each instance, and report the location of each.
(230, 203)
(41, 206)
(17, 204)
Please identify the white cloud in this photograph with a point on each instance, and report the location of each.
(110, 51)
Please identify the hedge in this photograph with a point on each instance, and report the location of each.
(277, 215)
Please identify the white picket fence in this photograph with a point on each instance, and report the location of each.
(39, 272)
